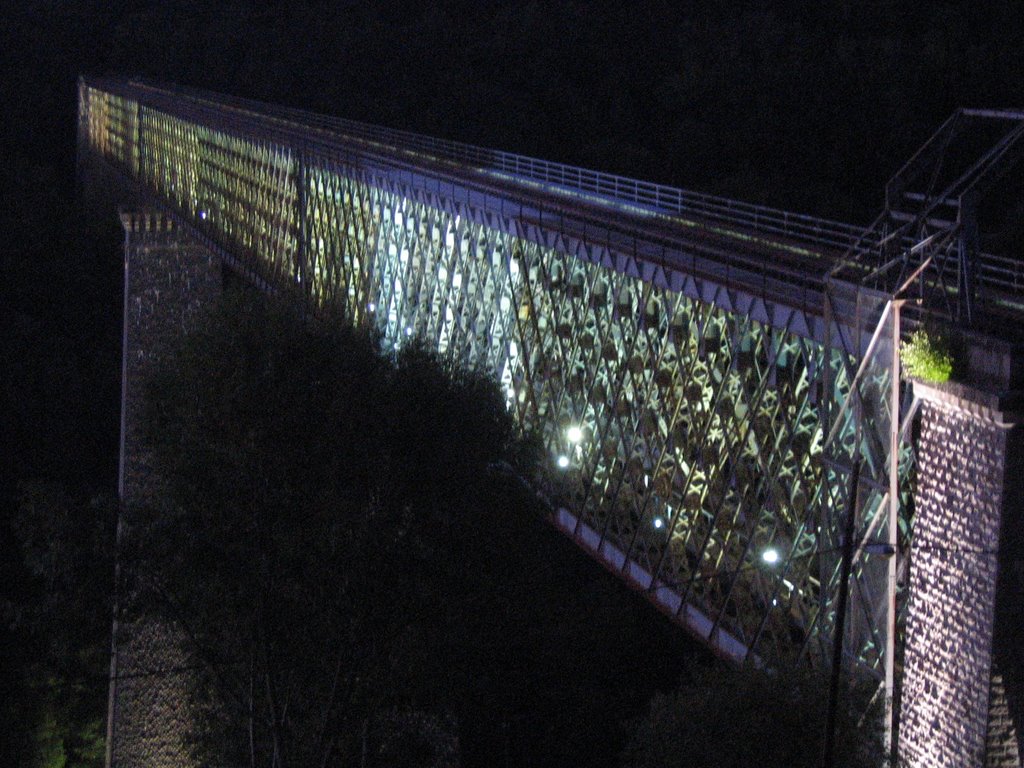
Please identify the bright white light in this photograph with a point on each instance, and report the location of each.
(574, 433)
(563, 461)
(658, 522)
(372, 307)
(770, 556)
(408, 330)
(202, 214)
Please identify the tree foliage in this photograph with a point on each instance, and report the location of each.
(63, 617)
(726, 717)
(315, 484)
(350, 537)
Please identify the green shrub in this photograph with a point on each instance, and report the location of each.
(927, 356)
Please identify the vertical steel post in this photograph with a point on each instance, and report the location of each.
(828, 752)
(893, 539)
(967, 250)
(302, 249)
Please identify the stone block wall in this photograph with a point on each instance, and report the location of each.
(1006, 695)
(168, 279)
(952, 694)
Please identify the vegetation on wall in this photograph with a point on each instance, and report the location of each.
(927, 355)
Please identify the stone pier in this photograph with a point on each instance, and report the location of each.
(961, 688)
(168, 279)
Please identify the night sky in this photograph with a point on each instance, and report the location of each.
(807, 106)
(804, 105)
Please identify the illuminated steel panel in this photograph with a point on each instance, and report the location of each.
(682, 433)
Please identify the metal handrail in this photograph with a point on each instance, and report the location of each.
(854, 242)
(833, 235)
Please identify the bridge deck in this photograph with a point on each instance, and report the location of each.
(777, 254)
(773, 254)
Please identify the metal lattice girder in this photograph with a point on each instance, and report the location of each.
(683, 404)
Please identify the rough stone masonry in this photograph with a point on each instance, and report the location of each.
(961, 677)
(168, 279)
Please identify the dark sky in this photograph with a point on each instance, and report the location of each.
(802, 105)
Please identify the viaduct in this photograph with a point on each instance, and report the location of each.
(717, 384)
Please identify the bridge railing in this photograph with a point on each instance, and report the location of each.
(1000, 274)
(1000, 278)
(811, 230)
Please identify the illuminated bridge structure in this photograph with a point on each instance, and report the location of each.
(705, 374)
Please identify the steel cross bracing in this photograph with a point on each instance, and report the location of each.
(676, 363)
(926, 242)
(918, 263)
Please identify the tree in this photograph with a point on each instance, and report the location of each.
(63, 616)
(360, 568)
(316, 487)
(726, 717)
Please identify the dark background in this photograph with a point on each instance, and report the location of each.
(808, 106)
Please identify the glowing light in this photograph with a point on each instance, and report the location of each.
(770, 556)
(574, 433)
(372, 307)
(408, 330)
(202, 214)
(563, 462)
(659, 523)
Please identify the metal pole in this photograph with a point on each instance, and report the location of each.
(828, 752)
(894, 515)
(127, 223)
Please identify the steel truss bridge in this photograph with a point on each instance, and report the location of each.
(704, 373)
